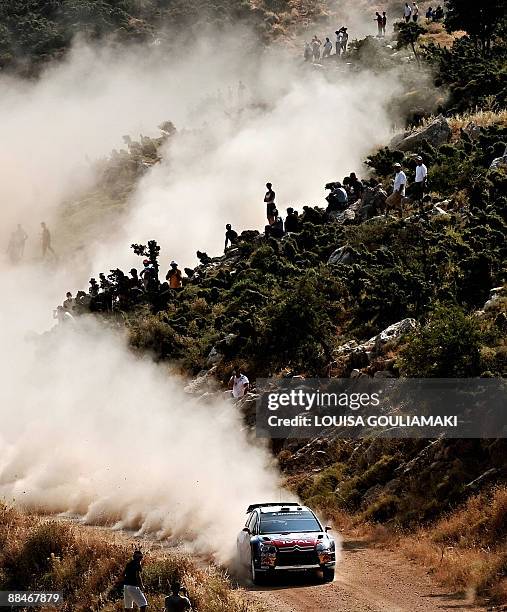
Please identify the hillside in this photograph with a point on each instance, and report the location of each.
(363, 291)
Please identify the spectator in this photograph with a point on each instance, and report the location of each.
(421, 175)
(356, 185)
(174, 276)
(135, 281)
(62, 315)
(69, 302)
(133, 583)
(239, 384)
(316, 44)
(438, 13)
(407, 12)
(328, 47)
(21, 238)
(176, 602)
(308, 52)
(148, 276)
(344, 41)
(395, 200)
(94, 288)
(378, 19)
(338, 42)
(415, 12)
(337, 199)
(46, 241)
(269, 198)
(384, 23)
(429, 13)
(291, 220)
(231, 236)
(276, 230)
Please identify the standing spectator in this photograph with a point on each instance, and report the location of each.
(429, 13)
(21, 238)
(174, 276)
(328, 47)
(239, 384)
(133, 583)
(149, 276)
(407, 12)
(384, 23)
(421, 174)
(46, 241)
(231, 236)
(344, 41)
(338, 42)
(176, 602)
(415, 12)
(378, 19)
(395, 200)
(269, 198)
(316, 44)
(308, 52)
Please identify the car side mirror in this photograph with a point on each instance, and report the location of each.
(246, 529)
(326, 529)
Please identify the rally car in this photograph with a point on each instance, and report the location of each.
(285, 537)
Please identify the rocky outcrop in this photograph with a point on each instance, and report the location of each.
(436, 133)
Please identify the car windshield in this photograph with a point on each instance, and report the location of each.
(288, 522)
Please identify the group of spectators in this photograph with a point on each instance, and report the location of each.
(133, 589)
(17, 242)
(411, 13)
(317, 49)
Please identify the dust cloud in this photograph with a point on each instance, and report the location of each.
(87, 427)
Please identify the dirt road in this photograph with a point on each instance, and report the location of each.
(367, 580)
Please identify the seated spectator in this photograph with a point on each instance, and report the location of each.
(231, 236)
(291, 220)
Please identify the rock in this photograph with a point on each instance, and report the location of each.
(384, 374)
(202, 383)
(494, 296)
(343, 255)
(395, 331)
(482, 479)
(438, 211)
(436, 133)
(472, 130)
(214, 357)
(356, 373)
(499, 162)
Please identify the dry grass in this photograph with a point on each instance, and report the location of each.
(437, 35)
(468, 549)
(87, 564)
(482, 118)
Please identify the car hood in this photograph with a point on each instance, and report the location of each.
(301, 540)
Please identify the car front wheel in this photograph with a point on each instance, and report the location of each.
(254, 574)
(327, 574)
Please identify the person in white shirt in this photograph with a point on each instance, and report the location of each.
(415, 12)
(328, 47)
(395, 200)
(421, 173)
(407, 12)
(239, 384)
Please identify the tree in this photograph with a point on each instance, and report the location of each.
(481, 20)
(407, 35)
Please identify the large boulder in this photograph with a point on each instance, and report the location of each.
(395, 331)
(437, 132)
(343, 255)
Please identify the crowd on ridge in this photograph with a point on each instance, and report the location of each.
(318, 49)
(118, 291)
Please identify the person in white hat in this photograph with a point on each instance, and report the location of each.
(421, 175)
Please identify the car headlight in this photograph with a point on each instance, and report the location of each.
(325, 546)
(268, 549)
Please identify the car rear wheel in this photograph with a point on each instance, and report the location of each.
(327, 574)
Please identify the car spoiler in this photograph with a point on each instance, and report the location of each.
(284, 504)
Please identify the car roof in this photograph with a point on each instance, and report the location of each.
(283, 508)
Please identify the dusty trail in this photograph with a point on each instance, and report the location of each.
(367, 580)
